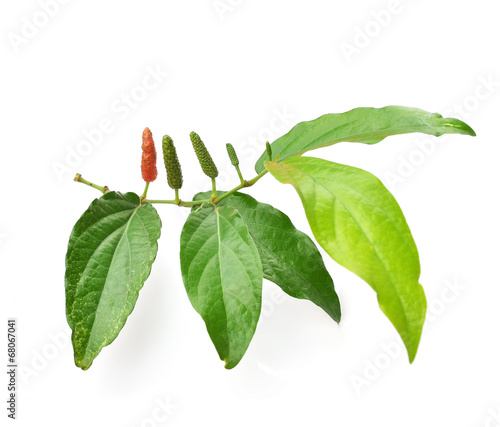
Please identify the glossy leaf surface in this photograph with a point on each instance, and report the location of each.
(289, 257)
(222, 273)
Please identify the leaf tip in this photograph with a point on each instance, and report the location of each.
(411, 349)
(230, 364)
(412, 355)
(337, 319)
(82, 365)
(463, 128)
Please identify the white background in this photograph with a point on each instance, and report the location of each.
(245, 72)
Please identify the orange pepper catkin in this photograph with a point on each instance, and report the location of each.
(148, 164)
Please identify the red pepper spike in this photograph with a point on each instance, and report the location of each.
(148, 163)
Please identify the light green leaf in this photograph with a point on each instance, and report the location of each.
(222, 273)
(361, 226)
(289, 257)
(366, 125)
(110, 253)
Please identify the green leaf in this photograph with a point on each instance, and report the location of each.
(367, 125)
(361, 226)
(289, 257)
(222, 273)
(110, 253)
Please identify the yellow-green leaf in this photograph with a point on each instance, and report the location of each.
(360, 225)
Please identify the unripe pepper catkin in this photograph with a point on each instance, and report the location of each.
(269, 151)
(206, 162)
(148, 164)
(172, 165)
(232, 155)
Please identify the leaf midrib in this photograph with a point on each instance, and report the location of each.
(306, 147)
(226, 332)
(94, 224)
(127, 224)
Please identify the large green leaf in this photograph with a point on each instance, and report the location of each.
(222, 273)
(110, 253)
(289, 257)
(361, 226)
(367, 125)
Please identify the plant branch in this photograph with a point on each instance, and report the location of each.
(239, 187)
(180, 203)
(79, 178)
(214, 199)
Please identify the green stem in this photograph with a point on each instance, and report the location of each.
(145, 191)
(239, 174)
(214, 199)
(181, 203)
(214, 189)
(79, 178)
(169, 202)
(239, 187)
(254, 180)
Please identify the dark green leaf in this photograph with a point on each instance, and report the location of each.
(222, 273)
(110, 253)
(361, 226)
(366, 125)
(289, 257)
